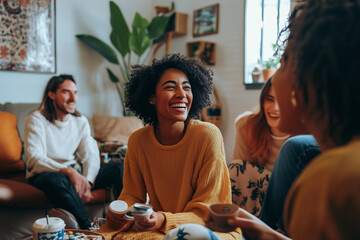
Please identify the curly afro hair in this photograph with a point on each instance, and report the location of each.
(143, 80)
(324, 46)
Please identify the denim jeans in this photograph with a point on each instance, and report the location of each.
(62, 194)
(293, 157)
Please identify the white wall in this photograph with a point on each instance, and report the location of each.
(98, 95)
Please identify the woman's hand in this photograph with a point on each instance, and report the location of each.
(118, 221)
(155, 222)
(253, 228)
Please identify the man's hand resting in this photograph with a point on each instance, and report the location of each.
(80, 183)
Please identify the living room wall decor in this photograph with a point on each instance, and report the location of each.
(206, 20)
(203, 50)
(27, 36)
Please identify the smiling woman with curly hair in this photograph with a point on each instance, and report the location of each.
(143, 80)
(177, 160)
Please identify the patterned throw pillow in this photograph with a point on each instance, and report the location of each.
(112, 151)
(191, 232)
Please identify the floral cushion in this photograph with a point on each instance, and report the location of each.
(248, 185)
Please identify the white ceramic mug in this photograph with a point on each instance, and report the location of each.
(141, 210)
(118, 207)
(52, 228)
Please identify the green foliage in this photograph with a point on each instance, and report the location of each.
(139, 42)
(271, 63)
(120, 32)
(274, 60)
(105, 50)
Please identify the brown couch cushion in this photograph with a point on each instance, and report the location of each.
(18, 194)
(10, 146)
(109, 128)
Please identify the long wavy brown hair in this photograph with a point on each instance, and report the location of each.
(47, 104)
(258, 131)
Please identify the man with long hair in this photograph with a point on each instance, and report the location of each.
(62, 158)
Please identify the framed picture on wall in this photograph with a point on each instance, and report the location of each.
(203, 50)
(27, 39)
(206, 20)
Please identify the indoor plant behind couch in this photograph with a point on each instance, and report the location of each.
(139, 42)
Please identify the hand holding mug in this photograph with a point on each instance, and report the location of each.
(219, 214)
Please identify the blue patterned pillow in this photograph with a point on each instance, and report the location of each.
(191, 232)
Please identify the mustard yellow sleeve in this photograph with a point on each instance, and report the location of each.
(134, 190)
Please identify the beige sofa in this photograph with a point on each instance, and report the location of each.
(20, 203)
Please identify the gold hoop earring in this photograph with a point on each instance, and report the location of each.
(293, 99)
(152, 101)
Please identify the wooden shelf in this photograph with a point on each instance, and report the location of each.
(204, 50)
(177, 22)
(180, 23)
(177, 27)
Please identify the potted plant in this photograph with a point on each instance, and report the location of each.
(140, 42)
(270, 65)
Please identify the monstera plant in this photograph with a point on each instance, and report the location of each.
(127, 45)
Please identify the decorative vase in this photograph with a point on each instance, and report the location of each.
(256, 74)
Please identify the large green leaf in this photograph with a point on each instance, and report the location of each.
(157, 26)
(120, 31)
(99, 46)
(139, 39)
(112, 76)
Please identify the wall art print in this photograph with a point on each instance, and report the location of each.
(27, 35)
(206, 20)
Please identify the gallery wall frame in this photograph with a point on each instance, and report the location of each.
(28, 36)
(203, 50)
(206, 20)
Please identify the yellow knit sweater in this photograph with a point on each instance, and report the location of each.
(181, 179)
(324, 202)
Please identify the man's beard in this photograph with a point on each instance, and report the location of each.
(62, 109)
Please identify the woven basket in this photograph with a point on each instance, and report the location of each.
(212, 113)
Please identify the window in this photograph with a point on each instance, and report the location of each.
(264, 20)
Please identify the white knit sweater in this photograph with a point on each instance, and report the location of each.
(52, 146)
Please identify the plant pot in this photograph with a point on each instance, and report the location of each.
(256, 77)
(268, 72)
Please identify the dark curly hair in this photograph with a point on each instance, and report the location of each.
(143, 80)
(324, 47)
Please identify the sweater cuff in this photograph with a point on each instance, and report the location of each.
(91, 174)
(173, 220)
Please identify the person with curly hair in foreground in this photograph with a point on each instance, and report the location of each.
(317, 87)
(175, 159)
